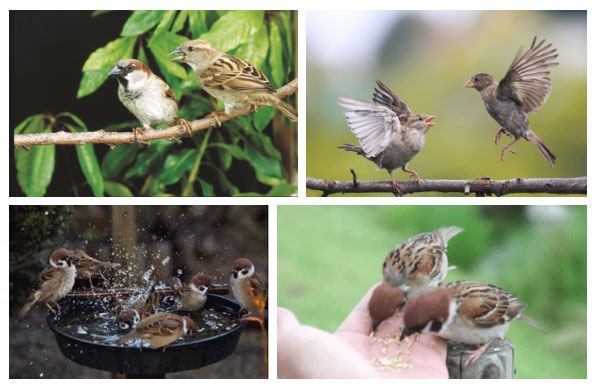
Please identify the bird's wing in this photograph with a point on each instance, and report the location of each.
(527, 81)
(374, 125)
(169, 93)
(257, 286)
(385, 97)
(235, 74)
(50, 278)
(419, 256)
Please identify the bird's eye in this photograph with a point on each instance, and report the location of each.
(190, 48)
(123, 326)
(420, 118)
(475, 79)
(202, 288)
(130, 67)
(244, 271)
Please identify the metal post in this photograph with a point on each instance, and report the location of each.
(495, 363)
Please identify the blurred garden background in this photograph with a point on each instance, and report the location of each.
(536, 252)
(425, 57)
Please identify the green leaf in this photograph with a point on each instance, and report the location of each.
(109, 54)
(207, 188)
(255, 50)
(35, 167)
(31, 123)
(99, 12)
(233, 29)
(288, 33)
(117, 159)
(232, 149)
(161, 48)
(176, 165)
(165, 23)
(197, 23)
(179, 22)
(88, 161)
(224, 156)
(148, 158)
(77, 121)
(262, 117)
(276, 63)
(264, 163)
(92, 80)
(282, 190)
(141, 21)
(141, 55)
(224, 183)
(115, 189)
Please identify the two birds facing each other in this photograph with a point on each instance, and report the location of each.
(225, 77)
(466, 312)
(390, 135)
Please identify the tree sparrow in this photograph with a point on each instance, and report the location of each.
(128, 319)
(523, 90)
(56, 280)
(146, 96)
(193, 296)
(384, 301)
(87, 266)
(389, 134)
(230, 79)
(161, 329)
(128, 314)
(467, 312)
(247, 286)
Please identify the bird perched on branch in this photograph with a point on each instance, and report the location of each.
(523, 90)
(230, 79)
(161, 329)
(149, 98)
(247, 287)
(389, 134)
(194, 296)
(56, 280)
(88, 266)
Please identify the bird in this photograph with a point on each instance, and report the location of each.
(389, 134)
(230, 79)
(128, 319)
(149, 98)
(384, 301)
(193, 296)
(160, 330)
(466, 312)
(140, 306)
(88, 266)
(56, 280)
(247, 286)
(523, 90)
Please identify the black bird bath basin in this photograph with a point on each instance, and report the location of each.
(219, 332)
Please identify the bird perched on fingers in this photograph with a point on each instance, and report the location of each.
(149, 98)
(385, 300)
(467, 312)
(161, 329)
(193, 296)
(230, 79)
(88, 266)
(247, 286)
(523, 90)
(56, 280)
(389, 134)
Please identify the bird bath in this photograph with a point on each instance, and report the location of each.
(86, 333)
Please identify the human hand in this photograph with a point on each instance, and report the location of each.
(308, 352)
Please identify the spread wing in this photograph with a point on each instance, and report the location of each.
(385, 97)
(235, 74)
(527, 81)
(375, 126)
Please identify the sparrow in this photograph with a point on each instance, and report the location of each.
(129, 313)
(56, 280)
(193, 296)
(230, 79)
(87, 266)
(467, 312)
(161, 329)
(128, 319)
(523, 90)
(149, 98)
(247, 286)
(389, 134)
(384, 301)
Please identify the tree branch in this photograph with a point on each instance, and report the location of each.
(481, 187)
(116, 138)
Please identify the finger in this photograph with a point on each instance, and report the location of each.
(359, 320)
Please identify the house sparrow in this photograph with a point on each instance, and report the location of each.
(146, 96)
(193, 296)
(161, 329)
(467, 312)
(523, 90)
(247, 286)
(384, 301)
(87, 266)
(56, 280)
(230, 79)
(389, 134)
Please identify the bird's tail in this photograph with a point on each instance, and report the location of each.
(531, 321)
(25, 309)
(448, 232)
(287, 110)
(546, 152)
(127, 337)
(352, 148)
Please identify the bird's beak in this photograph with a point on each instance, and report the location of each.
(406, 333)
(428, 121)
(115, 71)
(469, 84)
(180, 58)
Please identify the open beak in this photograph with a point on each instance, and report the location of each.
(469, 84)
(115, 71)
(428, 121)
(180, 58)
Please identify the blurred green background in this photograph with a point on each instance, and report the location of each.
(537, 252)
(426, 57)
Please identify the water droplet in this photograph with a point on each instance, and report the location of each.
(41, 374)
(165, 261)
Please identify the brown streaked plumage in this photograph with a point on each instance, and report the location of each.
(194, 296)
(247, 286)
(88, 266)
(161, 329)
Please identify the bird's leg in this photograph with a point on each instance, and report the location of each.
(136, 131)
(395, 186)
(477, 353)
(215, 115)
(90, 282)
(498, 135)
(50, 308)
(413, 174)
(506, 148)
(186, 125)
(105, 281)
(254, 107)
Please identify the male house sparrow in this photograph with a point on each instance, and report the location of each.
(467, 312)
(193, 296)
(56, 280)
(247, 286)
(88, 266)
(146, 96)
(523, 90)
(161, 329)
(389, 134)
(230, 79)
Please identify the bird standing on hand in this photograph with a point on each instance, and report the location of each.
(230, 79)
(389, 134)
(523, 90)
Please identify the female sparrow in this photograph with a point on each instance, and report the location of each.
(389, 134)
(161, 329)
(87, 266)
(523, 90)
(230, 79)
(467, 312)
(56, 280)
(146, 96)
(193, 296)
(247, 286)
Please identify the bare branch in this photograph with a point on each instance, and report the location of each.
(116, 138)
(481, 187)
